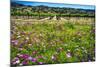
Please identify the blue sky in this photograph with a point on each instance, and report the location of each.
(34, 3)
(84, 2)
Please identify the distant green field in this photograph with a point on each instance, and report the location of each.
(48, 15)
(52, 43)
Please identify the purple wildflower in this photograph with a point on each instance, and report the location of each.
(34, 52)
(40, 63)
(25, 62)
(15, 60)
(30, 58)
(25, 56)
(40, 56)
(21, 45)
(15, 42)
(34, 59)
(20, 55)
(68, 54)
(23, 33)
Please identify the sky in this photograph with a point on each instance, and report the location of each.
(85, 2)
(54, 4)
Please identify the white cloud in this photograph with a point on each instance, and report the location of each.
(85, 2)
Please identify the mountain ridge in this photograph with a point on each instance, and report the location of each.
(62, 5)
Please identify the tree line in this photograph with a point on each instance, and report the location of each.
(23, 10)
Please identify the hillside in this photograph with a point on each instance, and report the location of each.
(21, 9)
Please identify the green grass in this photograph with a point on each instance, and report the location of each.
(54, 39)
